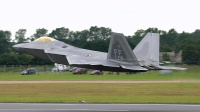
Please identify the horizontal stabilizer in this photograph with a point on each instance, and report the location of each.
(171, 68)
(133, 67)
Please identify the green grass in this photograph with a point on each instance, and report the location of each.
(101, 93)
(193, 72)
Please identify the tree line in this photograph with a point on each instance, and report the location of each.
(97, 38)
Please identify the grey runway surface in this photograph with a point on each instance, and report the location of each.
(62, 107)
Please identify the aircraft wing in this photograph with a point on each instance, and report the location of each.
(87, 60)
(83, 57)
(78, 56)
(80, 60)
(119, 55)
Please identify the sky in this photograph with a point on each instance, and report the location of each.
(122, 16)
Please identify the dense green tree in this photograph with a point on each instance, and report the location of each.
(195, 35)
(79, 38)
(191, 53)
(182, 36)
(3, 46)
(96, 33)
(83, 36)
(20, 35)
(9, 59)
(129, 39)
(163, 38)
(138, 36)
(97, 45)
(171, 36)
(39, 33)
(39, 61)
(153, 30)
(25, 59)
(60, 33)
(165, 49)
(97, 38)
(5, 37)
(181, 40)
(166, 57)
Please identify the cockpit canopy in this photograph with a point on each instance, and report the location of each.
(44, 39)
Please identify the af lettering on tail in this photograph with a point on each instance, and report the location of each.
(120, 51)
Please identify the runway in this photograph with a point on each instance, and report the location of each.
(62, 107)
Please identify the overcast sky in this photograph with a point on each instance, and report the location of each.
(122, 16)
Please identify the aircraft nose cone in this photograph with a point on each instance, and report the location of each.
(17, 47)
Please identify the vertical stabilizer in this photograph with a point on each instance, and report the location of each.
(119, 50)
(147, 51)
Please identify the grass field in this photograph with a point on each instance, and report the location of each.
(193, 72)
(103, 92)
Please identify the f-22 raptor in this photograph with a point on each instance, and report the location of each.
(120, 56)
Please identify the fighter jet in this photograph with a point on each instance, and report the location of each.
(120, 57)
